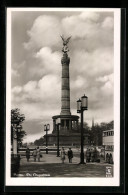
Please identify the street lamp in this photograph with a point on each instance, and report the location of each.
(58, 127)
(46, 128)
(16, 120)
(81, 106)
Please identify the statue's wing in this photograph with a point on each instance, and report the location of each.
(68, 39)
(62, 37)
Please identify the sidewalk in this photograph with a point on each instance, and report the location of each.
(51, 166)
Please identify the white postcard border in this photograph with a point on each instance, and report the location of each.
(115, 181)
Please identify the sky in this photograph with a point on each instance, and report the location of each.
(36, 65)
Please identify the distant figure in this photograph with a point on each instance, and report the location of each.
(34, 154)
(107, 158)
(38, 154)
(62, 154)
(111, 159)
(70, 155)
(88, 155)
(27, 154)
(95, 154)
(92, 155)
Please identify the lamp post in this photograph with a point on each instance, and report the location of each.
(58, 128)
(81, 106)
(19, 127)
(46, 128)
(16, 120)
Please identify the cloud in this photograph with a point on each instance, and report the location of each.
(82, 25)
(42, 90)
(108, 23)
(38, 90)
(107, 89)
(49, 61)
(91, 16)
(79, 82)
(107, 82)
(16, 90)
(30, 86)
(91, 26)
(44, 32)
(106, 78)
(14, 73)
(38, 111)
(32, 137)
(38, 100)
(89, 65)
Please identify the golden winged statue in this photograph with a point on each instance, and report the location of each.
(65, 42)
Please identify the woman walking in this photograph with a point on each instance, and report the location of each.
(38, 154)
(34, 154)
(62, 154)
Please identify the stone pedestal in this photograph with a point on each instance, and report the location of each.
(67, 139)
(68, 122)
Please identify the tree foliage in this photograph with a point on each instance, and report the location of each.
(85, 127)
(16, 125)
(97, 130)
(39, 142)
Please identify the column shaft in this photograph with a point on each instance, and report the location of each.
(65, 86)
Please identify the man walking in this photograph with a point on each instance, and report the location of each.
(70, 155)
(27, 154)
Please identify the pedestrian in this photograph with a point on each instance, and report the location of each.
(38, 153)
(88, 155)
(70, 155)
(111, 159)
(95, 154)
(34, 154)
(27, 154)
(107, 158)
(92, 155)
(62, 154)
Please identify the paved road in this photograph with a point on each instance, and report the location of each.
(50, 165)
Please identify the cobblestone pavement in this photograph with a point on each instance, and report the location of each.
(50, 165)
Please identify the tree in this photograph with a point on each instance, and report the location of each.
(97, 130)
(86, 128)
(39, 142)
(16, 125)
(110, 125)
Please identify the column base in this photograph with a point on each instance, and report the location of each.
(66, 113)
